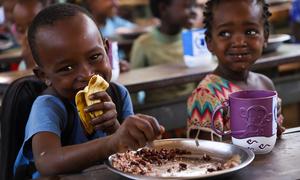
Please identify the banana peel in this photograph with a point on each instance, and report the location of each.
(96, 84)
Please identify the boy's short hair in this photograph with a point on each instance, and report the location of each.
(154, 6)
(48, 17)
(208, 15)
(43, 2)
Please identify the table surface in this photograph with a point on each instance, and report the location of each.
(173, 74)
(282, 163)
(11, 55)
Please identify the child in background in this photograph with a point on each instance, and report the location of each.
(23, 14)
(237, 38)
(8, 6)
(105, 14)
(163, 44)
(68, 49)
(199, 7)
(8, 24)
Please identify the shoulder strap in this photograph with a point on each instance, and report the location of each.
(114, 92)
(67, 132)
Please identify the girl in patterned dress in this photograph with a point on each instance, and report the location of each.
(237, 38)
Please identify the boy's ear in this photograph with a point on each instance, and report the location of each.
(106, 45)
(38, 72)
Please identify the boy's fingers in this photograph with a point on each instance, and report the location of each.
(130, 143)
(100, 95)
(107, 116)
(146, 129)
(105, 125)
(138, 137)
(101, 106)
(154, 123)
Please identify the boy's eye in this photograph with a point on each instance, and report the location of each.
(224, 34)
(66, 69)
(96, 57)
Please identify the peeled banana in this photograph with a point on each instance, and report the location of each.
(96, 84)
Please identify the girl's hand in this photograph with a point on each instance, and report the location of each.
(280, 128)
(106, 122)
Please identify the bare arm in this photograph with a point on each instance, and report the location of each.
(51, 158)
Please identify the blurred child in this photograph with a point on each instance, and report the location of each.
(8, 27)
(199, 7)
(8, 6)
(105, 13)
(108, 21)
(163, 44)
(23, 14)
(106, 16)
(237, 37)
(68, 49)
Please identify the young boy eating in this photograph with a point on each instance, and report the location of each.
(68, 49)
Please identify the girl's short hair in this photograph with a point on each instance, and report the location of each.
(208, 15)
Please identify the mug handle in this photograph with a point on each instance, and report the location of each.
(218, 108)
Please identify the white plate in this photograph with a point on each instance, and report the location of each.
(214, 149)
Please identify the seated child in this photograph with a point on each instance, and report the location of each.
(108, 21)
(23, 14)
(163, 44)
(8, 6)
(105, 13)
(68, 49)
(237, 38)
(199, 7)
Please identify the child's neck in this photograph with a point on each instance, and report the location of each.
(169, 29)
(231, 75)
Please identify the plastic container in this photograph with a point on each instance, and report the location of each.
(194, 48)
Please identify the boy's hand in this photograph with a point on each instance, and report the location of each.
(135, 132)
(106, 122)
